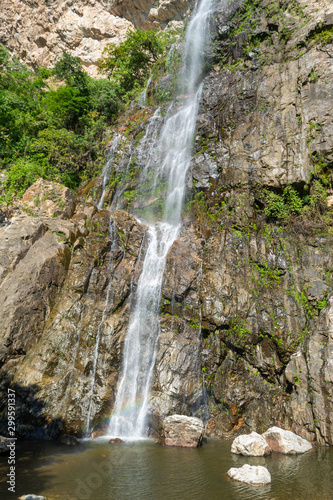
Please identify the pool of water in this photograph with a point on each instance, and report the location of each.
(145, 471)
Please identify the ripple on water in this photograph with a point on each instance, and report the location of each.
(145, 471)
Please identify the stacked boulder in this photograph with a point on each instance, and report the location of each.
(256, 445)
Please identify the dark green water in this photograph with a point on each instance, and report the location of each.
(99, 471)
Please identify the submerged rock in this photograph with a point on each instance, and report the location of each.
(250, 474)
(286, 441)
(70, 440)
(251, 445)
(182, 431)
(116, 441)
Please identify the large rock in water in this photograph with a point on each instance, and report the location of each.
(32, 497)
(251, 445)
(183, 431)
(250, 474)
(286, 441)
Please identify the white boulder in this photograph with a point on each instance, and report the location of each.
(32, 497)
(250, 474)
(250, 445)
(286, 441)
(183, 431)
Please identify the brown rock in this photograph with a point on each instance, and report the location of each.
(49, 199)
(83, 29)
(116, 441)
(181, 431)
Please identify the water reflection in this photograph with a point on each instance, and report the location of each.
(146, 471)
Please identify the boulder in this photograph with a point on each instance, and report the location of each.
(116, 441)
(48, 199)
(183, 431)
(70, 440)
(99, 432)
(250, 474)
(286, 441)
(32, 497)
(250, 445)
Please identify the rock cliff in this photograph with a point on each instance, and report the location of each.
(247, 296)
(38, 32)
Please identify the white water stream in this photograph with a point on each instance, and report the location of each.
(106, 170)
(169, 162)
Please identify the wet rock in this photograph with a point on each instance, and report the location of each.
(204, 170)
(70, 440)
(182, 431)
(250, 474)
(99, 432)
(286, 442)
(250, 445)
(116, 441)
(177, 384)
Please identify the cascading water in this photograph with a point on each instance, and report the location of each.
(167, 170)
(143, 96)
(106, 170)
(108, 299)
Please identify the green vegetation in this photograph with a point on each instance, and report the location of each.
(307, 209)
(53, 122)
(238, 334)
(322, 36)
(267, 276)
(129, 64)
(281, 206)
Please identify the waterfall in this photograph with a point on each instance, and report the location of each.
(106, 170)
(108, 299)
(143, 96)
(167, 163)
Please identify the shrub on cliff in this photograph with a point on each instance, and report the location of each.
(128, 65)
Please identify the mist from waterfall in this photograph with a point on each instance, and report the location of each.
(167, 160)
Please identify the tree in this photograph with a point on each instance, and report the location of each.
(129, 63)
(69, 69)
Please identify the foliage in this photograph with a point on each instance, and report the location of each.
(69, 69)
(51, 128)
(21, 175)
(281, 206)
(54, 121)
(129, 64)
(322, 36)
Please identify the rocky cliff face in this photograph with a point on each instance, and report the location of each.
(247, 298)
(38, 32)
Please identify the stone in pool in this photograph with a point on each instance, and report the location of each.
(32, 497)
(70, 440)
(182, 431)
(116, 441)
(286, 442)
(250, 474)
(250, 445)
